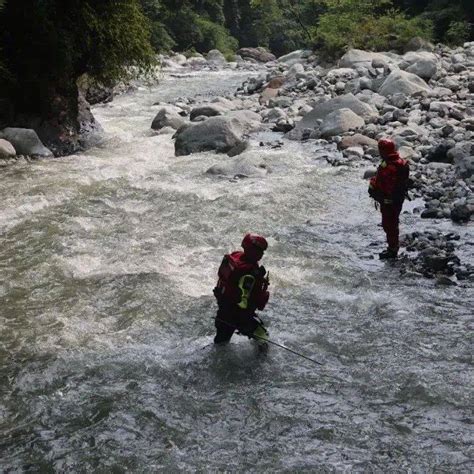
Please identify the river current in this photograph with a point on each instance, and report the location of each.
(107, 264)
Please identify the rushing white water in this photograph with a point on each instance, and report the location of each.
(108, 260)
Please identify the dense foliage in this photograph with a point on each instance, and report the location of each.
(285, 25)
(48, 44)
(45, 45)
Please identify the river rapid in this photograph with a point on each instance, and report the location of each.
(108, 260)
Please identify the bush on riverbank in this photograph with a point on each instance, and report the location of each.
(367, 25)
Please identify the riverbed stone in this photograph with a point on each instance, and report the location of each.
(299, 56)
(216, 133)
(167, 117)
(403, 82)
(207, 110)
(347, 101)
(355, 58)
(26, 142)
(214, 56)
(356, 140)
(259, 54)
(339, 122)
(7, 150)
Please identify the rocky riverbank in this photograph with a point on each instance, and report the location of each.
(423, 99)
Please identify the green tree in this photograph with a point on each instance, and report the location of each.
(49, 44)
(366, 24)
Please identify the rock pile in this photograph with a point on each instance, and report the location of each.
(432, 254)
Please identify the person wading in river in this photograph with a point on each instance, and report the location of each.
(389, 187)
(242, 288)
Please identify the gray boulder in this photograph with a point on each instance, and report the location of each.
(216, 133)
(214, 56)
(248, 120)
(257, 54)
(249, 164)
(465, 167)
(294, 57)
(357, 140)
(167, 117)
(6, 149)
(357, 58)
(421, 63)
(403, 82)
(25, 142)
(339, 122)
(347, 101)
(208, 110)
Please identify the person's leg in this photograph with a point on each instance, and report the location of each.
(250, 326)
(390, 224)
(224, 328)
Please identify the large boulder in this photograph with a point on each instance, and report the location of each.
(6, 149)
(258, 54)
(355, 58)
(249, 121)
(403, 82)
(216, 133)
(26, 142)
(295, 57)
(421, 63)
(339, 122)
(167, 117)
(214, 56)
(347, 101)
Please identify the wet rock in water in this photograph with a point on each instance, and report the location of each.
(7, 150)
(431, 253)
(238, 149)
(216, 133)
(167, 117)
(249, 164)
(462, 212)
(208, 110)
(26, 142)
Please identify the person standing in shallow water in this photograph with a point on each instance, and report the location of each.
(389, 187)
(242, 288)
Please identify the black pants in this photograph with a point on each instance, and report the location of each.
(229, 320)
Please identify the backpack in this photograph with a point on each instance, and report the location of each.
(403, 179)
(241, 283)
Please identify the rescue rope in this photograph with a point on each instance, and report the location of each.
(272, 342)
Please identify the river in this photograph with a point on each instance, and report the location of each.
(108, 260)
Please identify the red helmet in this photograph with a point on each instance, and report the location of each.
(386, 147)
(252, 241)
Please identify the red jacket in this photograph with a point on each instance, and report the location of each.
(241, 283)
(389, 184)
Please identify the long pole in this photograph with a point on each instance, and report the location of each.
(274, 343)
